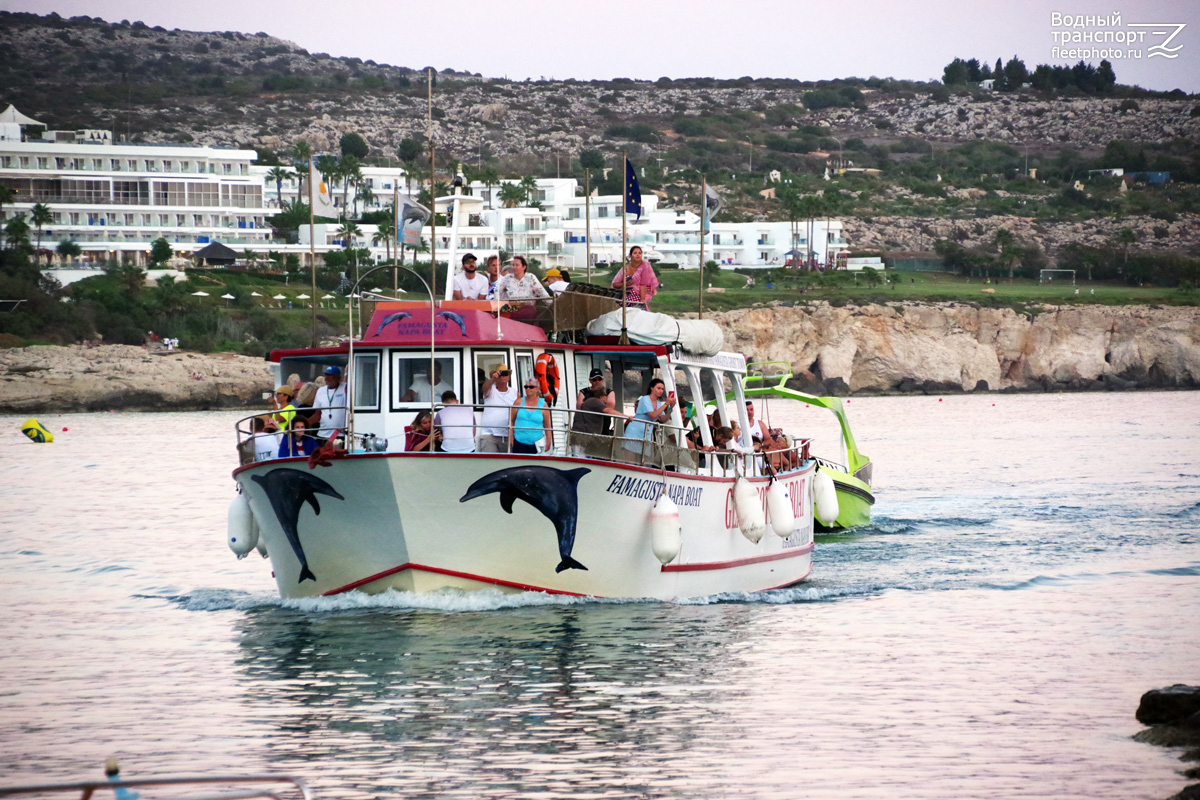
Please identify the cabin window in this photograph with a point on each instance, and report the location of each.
(410, 378)
(485, 365)
(366, 381)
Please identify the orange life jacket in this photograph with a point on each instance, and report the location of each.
(546, 370)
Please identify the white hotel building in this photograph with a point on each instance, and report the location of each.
(115, 199)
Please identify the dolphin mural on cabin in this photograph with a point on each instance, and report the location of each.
(389, 319)
(554, 492)
(456, 319)
(288, 490)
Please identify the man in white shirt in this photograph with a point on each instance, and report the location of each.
(457, 424)
(418, 391)
(330, 403)
(555, 282)
(467, 284)
(499, 396)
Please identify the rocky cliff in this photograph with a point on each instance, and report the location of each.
(43, 379)
(948, 347)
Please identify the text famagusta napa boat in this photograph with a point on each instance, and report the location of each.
(604, 507)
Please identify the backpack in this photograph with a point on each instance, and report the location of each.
(546, 370)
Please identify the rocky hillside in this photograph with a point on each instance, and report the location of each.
(948, 347)
(230, 88)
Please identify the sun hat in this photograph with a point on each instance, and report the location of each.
(285, 389)
(553, 273)
(503, 368)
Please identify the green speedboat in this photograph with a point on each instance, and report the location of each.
(851, 480)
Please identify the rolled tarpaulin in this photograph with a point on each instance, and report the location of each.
(36, 433)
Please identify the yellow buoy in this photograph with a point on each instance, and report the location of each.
(36, 433)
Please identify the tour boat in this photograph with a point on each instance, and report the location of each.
(592, 514)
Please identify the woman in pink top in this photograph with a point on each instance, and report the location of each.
(638, 279)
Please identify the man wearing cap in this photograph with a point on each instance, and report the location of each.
(499, 396)
(596, 381)
(467, 284)
(283, 401)
(330, 404)
(555, 282)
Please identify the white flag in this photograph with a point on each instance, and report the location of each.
(322, 194)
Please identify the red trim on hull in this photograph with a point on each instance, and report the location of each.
(741, 562)
(453, 573)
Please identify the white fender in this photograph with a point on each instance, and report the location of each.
(825, 499)
(751, 520)
(665, 536)
(262, 543)
(779, 504)
(242, 534)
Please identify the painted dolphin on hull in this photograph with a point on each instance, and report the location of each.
(288, 490)
(390, 318)
(554, 492)
(456, 319)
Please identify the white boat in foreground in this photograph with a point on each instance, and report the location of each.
(594, 515)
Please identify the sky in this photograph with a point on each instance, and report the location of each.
(649, 39)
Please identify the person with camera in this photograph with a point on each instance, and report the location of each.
(499, 395)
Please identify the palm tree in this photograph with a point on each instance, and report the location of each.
(16, 232)
(350, 172)
(301, 153)
(68, 250)
(490, 177)
(40, 215)
(528, 186)
(348, 232)
(7, 195)
(279, 175)
(511, 195)
(365, 194)
(250, 257)
(384, 236)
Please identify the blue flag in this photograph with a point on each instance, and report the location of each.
(633, 193)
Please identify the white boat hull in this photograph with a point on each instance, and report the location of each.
(399, 524)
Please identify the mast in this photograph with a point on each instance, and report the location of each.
(432, 217)
(703, 230)
(396, 236)
(624, 291)
(587, 220)
(312, 250)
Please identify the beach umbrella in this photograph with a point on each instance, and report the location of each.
(227, 297)
(279, 297)
(377, 290)
(199, 294)
(328, 296)
(301, 297)
(255, 294)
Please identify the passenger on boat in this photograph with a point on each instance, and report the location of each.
(555, 282)
(421, 436)
(297, 442)
(283, 402)
(305, 395)
(456, 424)
(638, 279)
(330, 404)
(263, 444)
(521, 287)
(651, 407)
(469, 285)
(418, 391)
(493, 275)
(529, 422)
(758, 428)
(778, 451)
(596, 381)
(499, 396)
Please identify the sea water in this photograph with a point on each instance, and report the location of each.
(1032, 567)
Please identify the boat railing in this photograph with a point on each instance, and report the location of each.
(233, 787)
(577, 433)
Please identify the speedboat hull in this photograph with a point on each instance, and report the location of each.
(426, 522)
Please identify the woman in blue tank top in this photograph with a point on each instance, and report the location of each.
(529, 422)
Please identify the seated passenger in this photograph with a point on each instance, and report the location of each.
(420, 436)
(297, 442)
(282, 401)
(264, 444)
(418, 391)
(456, 424)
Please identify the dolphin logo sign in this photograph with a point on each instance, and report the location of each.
(288, 490)
(389, 319)
(456, 319)
(554, 492)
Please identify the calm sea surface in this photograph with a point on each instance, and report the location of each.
(1033, 567)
